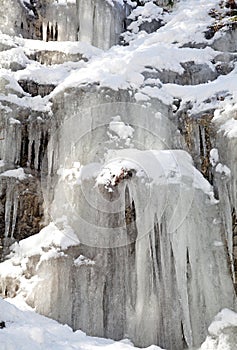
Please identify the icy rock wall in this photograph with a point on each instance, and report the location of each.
(199, 135)
(211, 138)
(149, 263)
(12, 15)
(59, 21)
(19, 17)
(225, 176)
(159, 278)
(100, 23)
(97, 22)
(45, 20)
(22, 148)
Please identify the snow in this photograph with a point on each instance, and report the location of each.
(156, 167)
(67, 47)
(226, 119)
(214, 156)
(49, 237)
(47, 244)
(120, 128)
(17, 173)
(64, 2)
(223, 169)
(122, 67)
(43, 74)
(222, 332)
(26, 330)
(14, 55)
(226, 318)
(82, 260)
(142, 14)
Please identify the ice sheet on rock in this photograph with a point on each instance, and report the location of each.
(101, 23)
(64, 2)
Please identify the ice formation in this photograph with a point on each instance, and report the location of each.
(118, 184)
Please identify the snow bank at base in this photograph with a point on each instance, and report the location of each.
(26, 330)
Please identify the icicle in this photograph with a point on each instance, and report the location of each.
(8, 205)
(15, 209)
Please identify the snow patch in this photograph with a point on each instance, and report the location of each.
(17, 173)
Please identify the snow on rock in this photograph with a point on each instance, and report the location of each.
(214, 156)
(82, 260)
(223, 170)
(158, 167)
(226, 119)
(226, 318)
(222, 332)
(68, 47)
(122, 130)
(49, 237)
(17, 173)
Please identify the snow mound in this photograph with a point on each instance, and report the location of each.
(26, 330)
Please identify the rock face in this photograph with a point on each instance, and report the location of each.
(134, 150)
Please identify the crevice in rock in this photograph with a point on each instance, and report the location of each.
(34, 89)
(234, 230)
(24, 146)
(32, 160)
(198, 134)
(185, 345)
(44, 139)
